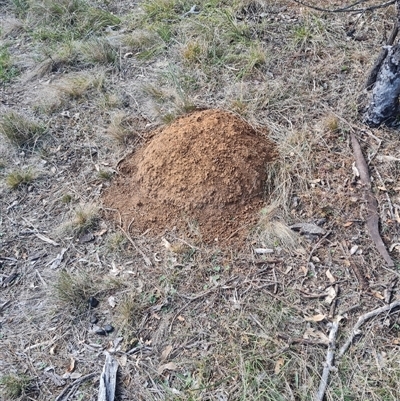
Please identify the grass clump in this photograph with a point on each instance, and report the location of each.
(58, 21)
(85, 219)
(19, 130)
(16, 179)
(120, 128)
(105, 175)
(116, 242)
(14, 386)
(7, 70)
(98, 51)
(74, 290)
(76, 86)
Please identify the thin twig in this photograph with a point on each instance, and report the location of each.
(329, 363)
(364, 318)
(315, 247)
(76, 383)
(346, 9)
(147, 261)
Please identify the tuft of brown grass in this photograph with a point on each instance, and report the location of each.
(273, 230)
(19, 130)
(72, 290)
(84, 218)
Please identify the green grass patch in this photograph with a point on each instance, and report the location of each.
(63, 20)
(14, 386)
(7, 70)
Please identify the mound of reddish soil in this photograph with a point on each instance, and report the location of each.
(206, 170)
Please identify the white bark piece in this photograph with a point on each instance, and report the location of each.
(108, 379)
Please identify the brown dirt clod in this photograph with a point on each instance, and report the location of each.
(206, 169)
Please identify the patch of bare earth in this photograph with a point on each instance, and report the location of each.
(207, 170)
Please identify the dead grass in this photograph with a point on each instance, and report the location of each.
(16, 179)
(84, 218)
(73, 290)
(19, 130)
(77, 85)
(232, 322)
(119, 128)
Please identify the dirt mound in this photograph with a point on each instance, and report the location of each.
(206, 170)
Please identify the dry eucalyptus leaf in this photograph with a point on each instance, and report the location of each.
(353, 249)
(123, 360)
(331, 295)
(304, 270)
(278, 365)
(316, 318)
(377, 294)
(167, 366)
(166, 243)
(71, 366)
(330, 276)
(165, 354)
(46, 239)
(312, 334)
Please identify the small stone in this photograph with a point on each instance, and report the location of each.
(100, 331)
(108, 328)
(93, 319)
(93, 302)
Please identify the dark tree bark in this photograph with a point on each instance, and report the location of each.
(384, 106)
(385, 80)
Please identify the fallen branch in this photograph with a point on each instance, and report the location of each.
(364, 318)
(372, 204)
(330, 356)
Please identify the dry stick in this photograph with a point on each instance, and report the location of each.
(77, 383)
(362, 319)
(347, 9)
(329, 361)
(145, 258)
(372, 204)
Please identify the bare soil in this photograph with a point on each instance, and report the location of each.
(207, 169)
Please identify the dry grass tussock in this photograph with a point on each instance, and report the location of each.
(191, 322)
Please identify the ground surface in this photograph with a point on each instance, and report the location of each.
(207, 169)
(90, 84)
